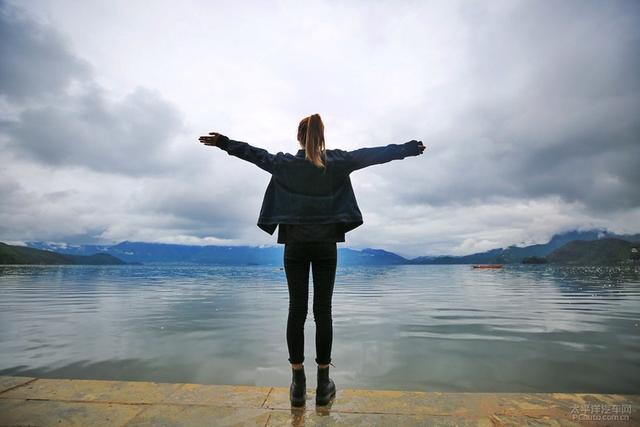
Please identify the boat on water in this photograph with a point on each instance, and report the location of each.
(487, 266)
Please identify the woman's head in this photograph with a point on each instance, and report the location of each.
(311, 138)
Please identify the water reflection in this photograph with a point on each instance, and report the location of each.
(443, 328)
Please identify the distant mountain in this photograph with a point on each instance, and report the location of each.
(535, 260)
(10, 254)
(65, 248)
(152, 253)
(608, 251)
(515, 254)
(369, 256)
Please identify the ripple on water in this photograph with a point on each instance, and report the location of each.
(450, 326)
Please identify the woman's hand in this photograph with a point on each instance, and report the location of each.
(211, 139)
(414, 147)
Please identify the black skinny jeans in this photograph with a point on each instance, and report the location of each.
(298, 256)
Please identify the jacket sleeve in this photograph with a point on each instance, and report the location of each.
(258, 156)
(363, 157)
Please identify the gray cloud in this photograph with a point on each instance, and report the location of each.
(81, 128)
(131, 136)
(203, 209)
(36, 61)
(528, 110)
(554, 111)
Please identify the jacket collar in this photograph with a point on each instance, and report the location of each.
(300, 153)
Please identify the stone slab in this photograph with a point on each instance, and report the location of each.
(197, 415)
(68, 402)
(43, 413)
(93, 390)
(220, 395)
(7, 383)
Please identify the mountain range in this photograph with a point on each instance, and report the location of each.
(515, 254)
(10, 254)
(151, 253)
(155, 253)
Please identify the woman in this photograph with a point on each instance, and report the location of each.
(311, 200)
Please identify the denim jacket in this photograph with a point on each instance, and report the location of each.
(301, 193)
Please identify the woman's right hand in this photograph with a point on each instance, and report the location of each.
(415, 145)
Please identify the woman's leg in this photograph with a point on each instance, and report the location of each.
(296, 267)
(324, 264)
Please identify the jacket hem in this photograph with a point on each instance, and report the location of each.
(307, 219)
(269, 226)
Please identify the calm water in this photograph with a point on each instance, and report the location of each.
(433, 328)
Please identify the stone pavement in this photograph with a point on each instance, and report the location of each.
(68, 402)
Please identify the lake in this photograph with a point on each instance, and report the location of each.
(536, 328)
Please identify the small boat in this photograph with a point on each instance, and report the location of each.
(488, 266)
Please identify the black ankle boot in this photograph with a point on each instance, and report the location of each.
(298, 389)
(326, 387)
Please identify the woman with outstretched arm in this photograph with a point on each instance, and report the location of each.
(311, 201)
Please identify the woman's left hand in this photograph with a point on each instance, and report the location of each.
(211, 139)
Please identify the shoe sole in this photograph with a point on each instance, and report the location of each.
(298, 402)
(322, 401)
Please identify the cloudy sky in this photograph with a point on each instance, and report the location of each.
(529, 110)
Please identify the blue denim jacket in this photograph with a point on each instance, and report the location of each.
(301, 193)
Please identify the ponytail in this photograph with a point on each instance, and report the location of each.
(311, 136)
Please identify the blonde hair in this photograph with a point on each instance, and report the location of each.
(311, 138)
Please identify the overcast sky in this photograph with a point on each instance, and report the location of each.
(530, 112)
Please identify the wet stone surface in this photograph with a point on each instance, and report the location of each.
(68, 402)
